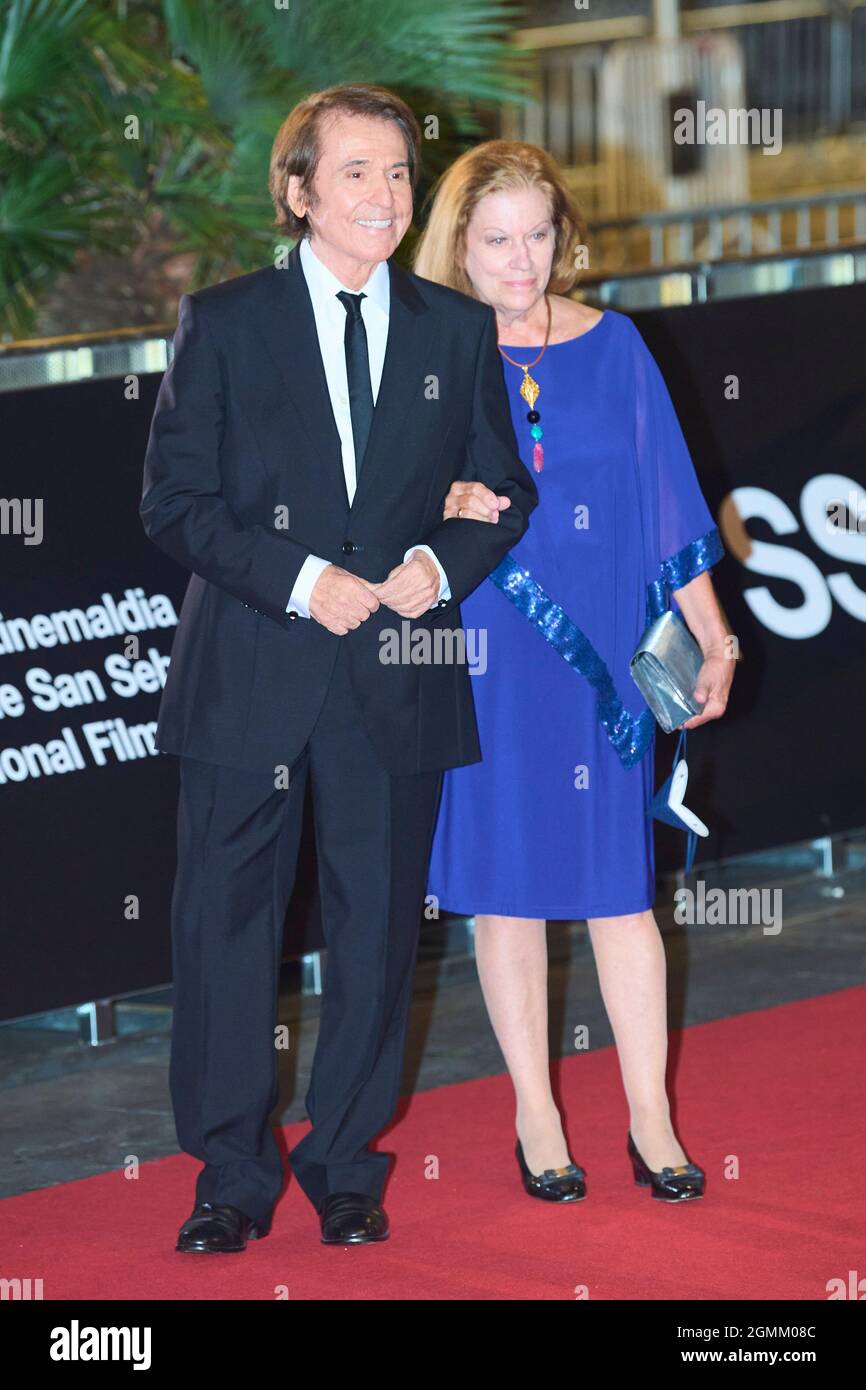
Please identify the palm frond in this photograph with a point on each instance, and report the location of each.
(450, 46)
(229, 57)
(46, 217)
(37, 49)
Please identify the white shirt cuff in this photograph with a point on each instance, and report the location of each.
(444, 587)
(299, 601)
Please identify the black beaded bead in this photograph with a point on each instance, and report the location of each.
(533, 417)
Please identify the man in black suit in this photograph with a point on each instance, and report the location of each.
(313, 418)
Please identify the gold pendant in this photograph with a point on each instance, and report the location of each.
(529, 389)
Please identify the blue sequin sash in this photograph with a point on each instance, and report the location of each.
(630, 735)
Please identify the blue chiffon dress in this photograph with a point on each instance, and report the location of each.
(554, 821)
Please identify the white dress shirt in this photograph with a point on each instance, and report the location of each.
(330, 319)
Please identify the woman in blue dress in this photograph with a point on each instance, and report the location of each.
(553, 822)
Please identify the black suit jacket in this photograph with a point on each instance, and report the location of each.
(243, 441)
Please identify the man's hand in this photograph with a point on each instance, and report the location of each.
(340, 601)
(411, 588)
(473, 502)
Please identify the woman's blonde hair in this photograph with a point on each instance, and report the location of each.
(492, 167)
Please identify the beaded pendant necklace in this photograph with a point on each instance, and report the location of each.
(530, 391)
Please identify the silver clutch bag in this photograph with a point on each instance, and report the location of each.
(665, 670)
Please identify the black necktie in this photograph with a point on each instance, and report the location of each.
(357, 373)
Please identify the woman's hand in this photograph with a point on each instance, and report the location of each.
(473, 502)
(719, 648)
(713, 686)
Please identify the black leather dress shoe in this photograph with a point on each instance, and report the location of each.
(681, 1184)
(352, 1218)
(216, 1230)
(554, 1184)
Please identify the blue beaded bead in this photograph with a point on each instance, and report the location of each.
(536, 432)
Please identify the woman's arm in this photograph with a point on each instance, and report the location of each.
(467, 554)
(703, 614)
(697, 600)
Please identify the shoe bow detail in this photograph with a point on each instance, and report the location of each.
(571, 1170)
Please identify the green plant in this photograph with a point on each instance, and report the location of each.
(125, 122)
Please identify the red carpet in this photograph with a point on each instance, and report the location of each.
(780, 1092)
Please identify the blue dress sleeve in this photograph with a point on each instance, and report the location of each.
(681, 538)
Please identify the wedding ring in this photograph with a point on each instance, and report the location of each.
(459, 511)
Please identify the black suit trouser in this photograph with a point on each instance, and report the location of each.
(238, 838)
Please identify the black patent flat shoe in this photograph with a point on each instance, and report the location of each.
(682, 1184)
(217, 1230)
(554, 1184)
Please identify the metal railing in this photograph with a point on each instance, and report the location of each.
(72, 357)
(654, 240)
(110, 353)
(697, 282)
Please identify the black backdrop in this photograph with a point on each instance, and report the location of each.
(787, 763)
(76, 846)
